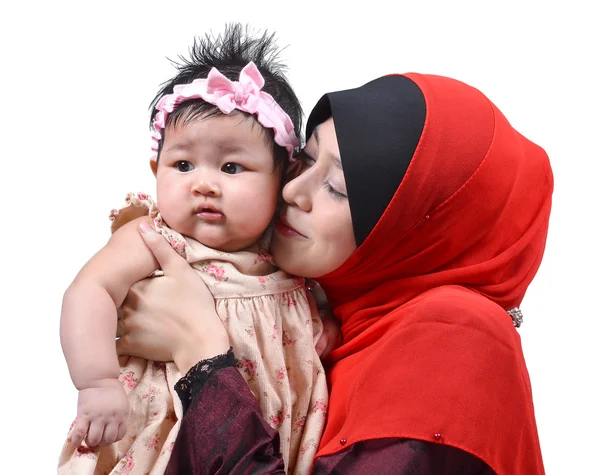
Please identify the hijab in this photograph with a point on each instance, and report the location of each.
(450, 208)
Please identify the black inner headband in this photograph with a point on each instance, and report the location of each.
(378, 128)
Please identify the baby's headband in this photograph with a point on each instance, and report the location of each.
(227, 95)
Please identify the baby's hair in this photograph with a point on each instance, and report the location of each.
(229, 52)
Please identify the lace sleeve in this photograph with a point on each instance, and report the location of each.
(190, 385)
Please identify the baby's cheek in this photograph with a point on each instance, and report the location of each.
(170, 207)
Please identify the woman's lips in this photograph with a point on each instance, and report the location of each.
(286, 230)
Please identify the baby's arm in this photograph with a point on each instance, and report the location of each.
(88, 328)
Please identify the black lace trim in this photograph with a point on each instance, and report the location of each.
(188, 387)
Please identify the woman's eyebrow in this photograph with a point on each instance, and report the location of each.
(337, 161)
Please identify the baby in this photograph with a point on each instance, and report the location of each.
(222, 137)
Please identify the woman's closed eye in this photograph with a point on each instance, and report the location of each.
(232, 168)
(338, 195)
(307, 162)
(184, 166)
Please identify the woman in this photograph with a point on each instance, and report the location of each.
(423, 215)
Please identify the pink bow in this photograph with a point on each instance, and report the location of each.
(245, 95)
(231, 95)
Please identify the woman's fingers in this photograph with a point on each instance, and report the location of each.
(125, 347)
(119, 323)
(331, 336)
(167, 257)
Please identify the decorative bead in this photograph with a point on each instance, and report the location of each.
(427, 217)
(437, 436)
(343, 441)
(516, 315)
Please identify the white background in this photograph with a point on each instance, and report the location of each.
(76, 82)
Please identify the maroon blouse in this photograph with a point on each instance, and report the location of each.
(223, 432)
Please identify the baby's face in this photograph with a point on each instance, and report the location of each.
(216, 181)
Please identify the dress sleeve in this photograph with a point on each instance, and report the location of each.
(223, 432)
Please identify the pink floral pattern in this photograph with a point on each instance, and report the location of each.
(300, 423)
(263, 257)
(85, 451)
(247, 366)
(153, 443)
(178, 244)
(276, 420)
(127, 463)
(152, 393)
(254, 300)
(129, 380)
(217, 272)
(290, 301)
(320, 406)
(281, 374)
(309, 445)
(171, 416)
(286, 339)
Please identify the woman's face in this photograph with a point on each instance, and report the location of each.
(314, 235)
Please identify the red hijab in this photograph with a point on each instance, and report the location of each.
(429, 351)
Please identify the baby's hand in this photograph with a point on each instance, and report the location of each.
(102, 411)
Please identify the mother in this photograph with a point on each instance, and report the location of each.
(423, 214)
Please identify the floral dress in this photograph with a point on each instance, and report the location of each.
(273, 325)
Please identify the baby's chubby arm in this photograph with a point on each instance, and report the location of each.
(89, 312)
(89, 321)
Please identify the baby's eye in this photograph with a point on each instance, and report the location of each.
(184, 166)
(232, 168)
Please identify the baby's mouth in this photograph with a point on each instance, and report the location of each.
(209, 213)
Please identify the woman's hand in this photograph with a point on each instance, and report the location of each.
(172, 317)
(331, 336)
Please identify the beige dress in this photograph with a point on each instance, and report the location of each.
(273, 325)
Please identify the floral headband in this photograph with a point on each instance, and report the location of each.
(244, 95)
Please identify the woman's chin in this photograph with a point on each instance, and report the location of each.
(290, 257)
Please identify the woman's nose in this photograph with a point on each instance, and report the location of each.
(297, 192)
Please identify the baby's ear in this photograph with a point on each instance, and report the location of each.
(153, 165)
